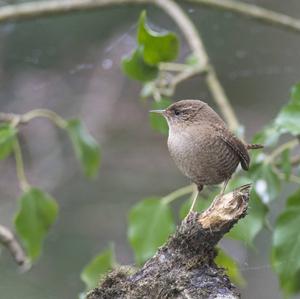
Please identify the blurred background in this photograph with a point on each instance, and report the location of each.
(71, 64)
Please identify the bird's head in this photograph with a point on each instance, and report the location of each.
(185, 112)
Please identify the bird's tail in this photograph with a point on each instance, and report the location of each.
(254, 146)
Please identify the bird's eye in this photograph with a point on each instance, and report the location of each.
(177, 112)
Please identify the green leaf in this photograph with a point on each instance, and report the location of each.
(286, 245)
(136, 68)
(7, 137)
(150, 224)
(86, 148)
(37, 213)
(158, 47)
(267, 183)
(288, 118)
(157, 121)
(227, 262)
(98, 267)
(248, 228)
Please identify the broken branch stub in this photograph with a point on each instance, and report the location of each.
(184, 267)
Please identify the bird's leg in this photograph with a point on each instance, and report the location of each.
(194, 201)
(224, 187)
(199, 188)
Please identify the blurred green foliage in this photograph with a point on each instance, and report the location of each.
(287, 120)
(286, 245)
(226, 261)
(150, 223)
(37, 209)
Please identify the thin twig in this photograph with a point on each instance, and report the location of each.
(291, 178)
(7, 117)
(167, 86)
(295, 161)
(252, 11)
(288, 145)
(16, 119)
(51, 115)
(30, 10)
(187, 74)
(8, 239)
(24, 185)
(173, 67)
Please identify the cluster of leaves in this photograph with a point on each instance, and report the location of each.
(151, 220)
(153, 48)
(38, 210)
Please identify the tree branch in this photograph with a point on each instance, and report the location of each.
(8, 239)
(252, 11)
(184, 267)
(16, 119)
(29, 10)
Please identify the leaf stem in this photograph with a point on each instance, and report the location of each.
(288, 145)
(16, 119)
(186, 74)
(51, 115)
(173, 67)
(178, 193)
(24, 185)
(292, 178)
(167, 87)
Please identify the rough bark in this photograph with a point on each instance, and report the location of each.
(184, 267)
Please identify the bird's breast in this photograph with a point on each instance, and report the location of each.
(202, 156)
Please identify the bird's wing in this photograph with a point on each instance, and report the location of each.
(236, 145)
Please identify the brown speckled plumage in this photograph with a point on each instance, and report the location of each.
(201, 145)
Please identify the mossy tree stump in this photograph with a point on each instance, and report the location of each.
(184, 267)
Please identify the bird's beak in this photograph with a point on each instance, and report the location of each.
(162, 111)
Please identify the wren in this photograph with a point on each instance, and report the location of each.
(202, 146)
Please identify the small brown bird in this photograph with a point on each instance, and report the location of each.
(202, 146)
